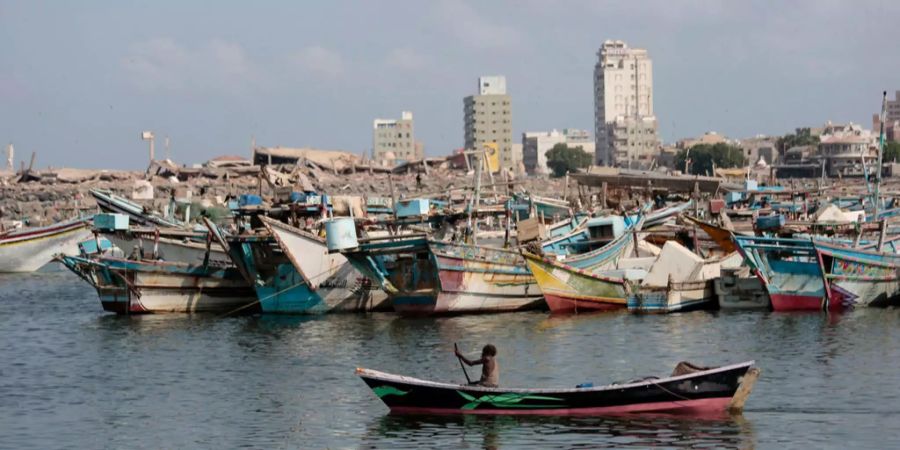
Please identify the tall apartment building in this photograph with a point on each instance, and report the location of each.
(394, 140)
(535, 146)
(488, 118)
(625, 128)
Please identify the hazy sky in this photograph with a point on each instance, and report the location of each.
(80, 80)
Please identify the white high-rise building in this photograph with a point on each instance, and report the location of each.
(624, 124)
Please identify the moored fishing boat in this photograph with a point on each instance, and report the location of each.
(29, 249)
(790, 271)
(472, 278)
(738, 289)
(675, 297)
(113, 203)
(293, 273)
(169, 245)
(135, 287)
(679, 281)
(689, 390)
(857, 277)
(568, 289)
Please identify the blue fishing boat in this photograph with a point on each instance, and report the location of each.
(274, 265)
(789, 269)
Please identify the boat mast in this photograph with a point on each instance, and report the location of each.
(880, 152)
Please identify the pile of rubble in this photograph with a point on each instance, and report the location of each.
(47, 196)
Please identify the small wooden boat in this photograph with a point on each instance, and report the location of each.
(110, 202)
(29, 249)
(689, 390)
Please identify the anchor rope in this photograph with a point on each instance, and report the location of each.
(259, 300)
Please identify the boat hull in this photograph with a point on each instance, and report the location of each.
(569, 290)
(855, 277)
(473, 279)
(322, 282)
(171, 249)
(790, 271)
(179, 293)
(677, 297)
(797, 302)
(145, 287)
(29, 250)
(701, 392)
(736, 292)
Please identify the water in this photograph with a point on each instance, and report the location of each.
(73, 376)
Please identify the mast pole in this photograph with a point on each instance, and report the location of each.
(880, 153)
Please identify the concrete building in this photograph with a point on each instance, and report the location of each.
(632, 141)
(395, 140)
(536, 144)
(847, 149)
(625, 127)
(843, 151)
(488, 118)
(892, 120)
(759, 148)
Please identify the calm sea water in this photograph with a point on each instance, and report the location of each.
(73, 376)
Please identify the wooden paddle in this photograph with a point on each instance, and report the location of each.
(456, 349)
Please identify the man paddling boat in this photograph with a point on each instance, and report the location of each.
(490, 370)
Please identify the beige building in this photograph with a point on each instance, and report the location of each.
(759, 149)
(488, 118)
(892, 120)
(535, 146)
(632, 141)
(847, 150)
(624, 124)
(395, 140)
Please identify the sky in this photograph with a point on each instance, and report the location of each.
(79, 81)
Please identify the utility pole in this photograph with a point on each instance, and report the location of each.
(148, 136)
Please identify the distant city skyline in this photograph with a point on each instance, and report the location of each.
(82, 80)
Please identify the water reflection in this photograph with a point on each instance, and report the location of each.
(493, 432)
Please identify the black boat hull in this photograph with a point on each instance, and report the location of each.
(702, 392)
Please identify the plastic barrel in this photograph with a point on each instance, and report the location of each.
(340, 233)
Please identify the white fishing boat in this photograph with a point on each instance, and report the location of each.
(29, 249)
(169, 246)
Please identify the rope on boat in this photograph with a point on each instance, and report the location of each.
(671, 393)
